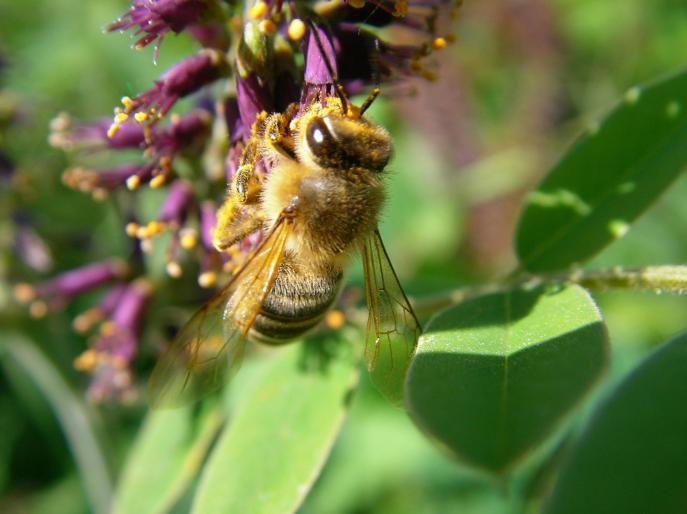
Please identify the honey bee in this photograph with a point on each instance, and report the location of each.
(319, 203)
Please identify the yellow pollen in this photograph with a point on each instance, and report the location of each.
(147, 246)
(174, 269)
(120, 118)
(132, 229)
(356, 4)
(127, 102)
(108, 328)
(188, 239)
(84, 321)
(38, 309)
(112, 131)
(439, 43)
(155, 228)
(207, 279)
(141, 117)
(267, 27)
(296, 29)
(86, 361)
(24, 292)
(157, 181)
(142, 233)
(335, 319)
(99, 194)
(133, 182)
(259, 10)
(400, 8)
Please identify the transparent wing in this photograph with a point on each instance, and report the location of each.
(392, 328)
(209, 346)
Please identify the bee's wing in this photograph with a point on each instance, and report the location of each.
(210, 345)
(392, 328)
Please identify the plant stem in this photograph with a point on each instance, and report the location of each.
(659, 279)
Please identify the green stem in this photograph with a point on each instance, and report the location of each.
(659, 279)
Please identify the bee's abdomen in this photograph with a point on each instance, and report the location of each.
(296, 303)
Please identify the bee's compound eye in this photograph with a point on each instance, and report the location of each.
(318, 135)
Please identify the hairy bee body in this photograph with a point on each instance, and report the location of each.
(319, 203)
(326, 172)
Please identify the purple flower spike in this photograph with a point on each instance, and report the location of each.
(155, 18)
(317, 63)
(95, 135)
(177, 204)
(183, 132)
(180, 80)
(54, 293)
(253, 97)
(78, 281)
(87, 180)
(116, 345)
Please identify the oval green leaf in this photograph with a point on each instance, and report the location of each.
(165, 458)
(632, 457)
(274, 448)
(607, 179)
(494, 375)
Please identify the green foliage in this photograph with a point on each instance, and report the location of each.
(165, 458)
(608, 178)
(495, 374)
(276, 443)
(492, 376)
(632, 457)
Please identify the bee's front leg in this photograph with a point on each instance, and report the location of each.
(235, 221)
(245, 178)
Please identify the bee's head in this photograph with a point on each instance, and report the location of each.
(342, 141)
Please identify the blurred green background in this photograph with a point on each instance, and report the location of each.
(524, 77)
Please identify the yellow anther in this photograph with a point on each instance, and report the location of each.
(142, 233)
(108, 329)
(165, 162)
(127, 102)
(157, 181)
(267, 27)
(120, 118)
(296, 29)
(86, 361)
(99, 194)
(84, 321)
(207, 279)
(112, 131)
(188, 239)
(155, 228)
(174, 269)
(133, 182)
(141, 117)
(400, 7)
(38, 309)
(356, 4)
(439, 43)
(132, 229)
(259, 10)
(335, 319)
(24, 292)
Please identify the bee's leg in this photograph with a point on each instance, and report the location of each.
(245, 175)
(235, 221)
(276, 135)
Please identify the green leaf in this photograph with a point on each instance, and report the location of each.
(75, 416)
(607, 179)
(165, 458)
(493, 376)
(632, 458)
(274, 448)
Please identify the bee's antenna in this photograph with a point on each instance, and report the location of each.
(368, 101)
(332, 73)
